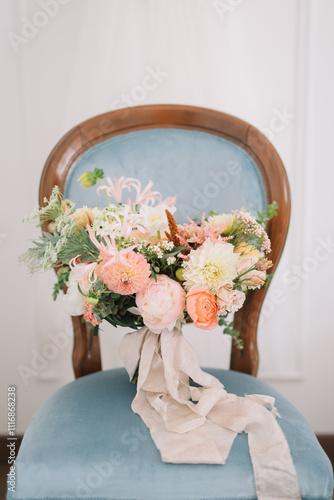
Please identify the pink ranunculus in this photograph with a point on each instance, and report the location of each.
(202, 308)
(161, 303)
(229, 300)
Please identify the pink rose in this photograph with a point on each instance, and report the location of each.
(202, 308)
(229, 300)
(252, 279)
(161, 303)
(255, 279)
(245, 263)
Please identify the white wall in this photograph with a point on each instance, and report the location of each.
(256, 59)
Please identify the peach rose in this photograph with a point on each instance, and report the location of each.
(161, 303)
(82, 217)
(229, 300)
(202, 308)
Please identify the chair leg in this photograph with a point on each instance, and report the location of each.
(86, 354)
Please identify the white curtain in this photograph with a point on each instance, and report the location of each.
(64, 61)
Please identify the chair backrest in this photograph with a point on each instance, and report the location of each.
(209, 160)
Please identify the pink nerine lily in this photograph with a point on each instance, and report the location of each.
(127, 223)
(83, 273)
(116, 187)
(109, 251)
(143, 197)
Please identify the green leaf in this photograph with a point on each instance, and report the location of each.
(62, 278)
(267, 214)
(79, 243)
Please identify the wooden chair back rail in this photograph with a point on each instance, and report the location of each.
(86, 351)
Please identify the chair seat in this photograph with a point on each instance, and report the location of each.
(85, 442)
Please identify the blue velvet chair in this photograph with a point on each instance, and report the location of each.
(85, 441)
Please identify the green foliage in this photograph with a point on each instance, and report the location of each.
(33, 257)
(113, 307)
(267, 214)
(78, 243)
(62, 278)
(229, 330)
(241, 236)
(172, 253)
(212, 213)
(160, 265)
(50, 212)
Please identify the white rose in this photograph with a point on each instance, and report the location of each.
(73, 299)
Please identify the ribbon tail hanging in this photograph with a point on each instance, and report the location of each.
(198, 424)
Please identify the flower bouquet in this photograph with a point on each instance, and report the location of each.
(132, 265)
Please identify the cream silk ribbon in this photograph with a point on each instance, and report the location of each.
(197, 425)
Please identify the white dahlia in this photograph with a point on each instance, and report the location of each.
(211, 266)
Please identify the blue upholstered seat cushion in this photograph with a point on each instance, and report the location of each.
(212, 173)
(85, 442)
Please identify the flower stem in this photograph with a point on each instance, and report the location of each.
(105, 191)
(252, 268)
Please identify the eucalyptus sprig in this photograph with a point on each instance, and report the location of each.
(230, 330)
(267, 214)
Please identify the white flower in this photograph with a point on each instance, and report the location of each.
(116, 222)
(155, 218)
(167, 245)
(224, 221)
(156, 249)
(211, 266)
(171, 260)
(74, 300)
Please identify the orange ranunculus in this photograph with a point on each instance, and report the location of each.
(202, 308)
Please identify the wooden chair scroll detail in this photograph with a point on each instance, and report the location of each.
(86, 351)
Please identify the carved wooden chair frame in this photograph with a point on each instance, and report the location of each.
(86, 350)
